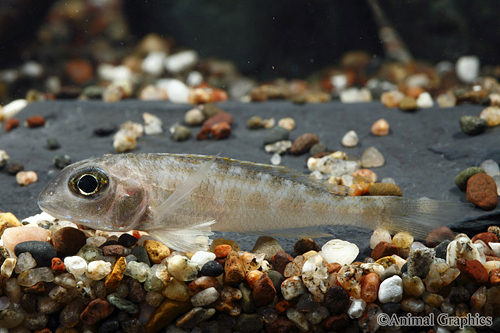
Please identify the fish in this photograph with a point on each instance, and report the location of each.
(180, 199)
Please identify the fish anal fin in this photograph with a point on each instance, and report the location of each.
(191, 239)
(306, 232)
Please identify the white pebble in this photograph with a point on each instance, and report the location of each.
(287, 123)
(24, 178)
(356, 308)
(152, 124)
(350, 139)
(53, 84)
(25, 261)
(391, 290)
(276, 159)
(316, 175)
(292, 287)
(98, 269)
(182, 268)
(388, 180)
(194, 78)
(194, 117)
(467, 68)
(372, 158)
(340, 251)
(380, 235)
(181, 61)
(491, 167)
(268, 123)
(153, 63)
(96, 241)
(176, 90)
(8, 267)
(205, 297)
(355, 95)
(424, 100)
(4, 157)
(13, 108)
(124, 141)
(75, 265)
(279, 147)
(202, 257)
(462, 247)
(32, 69)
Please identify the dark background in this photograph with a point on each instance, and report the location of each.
(286, 38)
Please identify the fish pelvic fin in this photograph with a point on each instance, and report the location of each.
(196, 238)
(420, 216)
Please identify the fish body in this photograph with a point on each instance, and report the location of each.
(178, 198)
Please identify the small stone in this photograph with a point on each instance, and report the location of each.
(491, 115)
(478, 299)
(339, 251)
(212, 268)
(304, 245)
(33, 276)
(220, 117)
(176, 290)
(210, 110)
(122, 304)
(25, 178)
(336, 323)
(298, 319)
(124, 141)
(280, 260)
(402, 239)
(182, 268)
(380, 235)
(95, 311)
(127, 240)
(467, 68)
(75, 265)
(304, 143)
(152, 124)
(194, 117)
(462, 178)
(380, 128)
(294, 268)
(482, 191)
(412, 286)
(61, 161)
(205, 297)
(385, 189)
(68, 241)
(383, 249)
(446, 100)
(391, 290)
(292, 287)
(93, 92)
(114, 278)
(392, 99)
(98, 270)
(220, 130)
(234, 269)
(8, 267)
(474, 270)
(408, 104)
(287, 123)
(276, 134)
(424, 100)
(356, 308)
(254, 122)
(4, 158)
(11, 124)
(268, 245)
(25, 261)
(194, 317)
(372, 158)
(105, 130)
(473, 125)
(52, 143)
(279, 147)
(156, 250)
(41, 251)
(369, 287)
(223, 250)
(13, 168)
(336, 300)
(180, 132)
(10, 318)
(490, 167)
(113, 250)
(350, 139)
(35, 121)
(276, 159)
(263, 291)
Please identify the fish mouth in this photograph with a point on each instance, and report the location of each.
(46, 199)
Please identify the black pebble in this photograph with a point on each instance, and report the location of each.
(212, 268)
(105, 130)
(441, 249)
(127, 240)
(42, 252)
(391, 308)
(52, 143)
(62, 161)
(13, 168)
(132, 325)
(110, 325)
(141, 254)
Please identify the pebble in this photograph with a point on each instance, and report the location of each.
(194, 117)
(234, 269)
(61, 161)
(349, 277)
(114, 278)
(25, 261)
(4, 159)
(412, 286)
(255, 122)
(292, 288)
(152, 124)
(391, 290)
(8, 267)
(336, 300)
(408, 104)
(95, 311)
(380, 128)
(467, 68)
(11, 109)
(275, 159)
(303, 143)
(491, 115)
(11, 124)
(10, 318)
(212, 268)
(68, 241)
(268, 245)
(474, 270)
(490, 167)
(446, 100)
(124, 141)
(75, 265)
(98, 270)
(419, 262)
(220, 130)
(304, 245)
(350, 139)
(369, 287)
(339, 251)
(279, 147)
(25, 178)
(276, 134)
(41, 251)
(182, 268)
(473, 125)
(156, 250)
(482, 191)
(202, 257)
(280, 260)
(372, 158)
(380, 235)
(220, 117)
(383, 249)
(176, 290)
(180, 133)
(425, 101)
(181, 62)
(105, 129)
(392, 99)
(52, 143)
(287, 123)
(385, 189)
(13, 168)
(122, 304)
(35, 121)
(462, 178)
(33, 276)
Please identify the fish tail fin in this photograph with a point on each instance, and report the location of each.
(420, 216)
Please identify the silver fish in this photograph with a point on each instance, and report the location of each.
(179, 199)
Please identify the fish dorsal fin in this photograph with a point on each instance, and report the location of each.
(306, 232)
(188, 240)
(181, 194)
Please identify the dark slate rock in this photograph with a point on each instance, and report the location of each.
(42, 252)
(127, 240)
(141, 254)
(275, 134)
(212, 268)
(441, 249)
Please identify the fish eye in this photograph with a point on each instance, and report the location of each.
(89, 182)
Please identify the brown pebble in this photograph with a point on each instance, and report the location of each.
(482, 191)
(305, 245)
(115, 277)
(280, 260)
(336, 323)
(203, 134)
(203, 283)
(333, 267)
(383, 249)
(251, 277)
(95, 311)
(35, 121)
(79, 71)
(414, 91)
(486, 237)
(494, 277)
(304, 143)
(380, 128)
(474, 270)
(385, 189)
(408, 104)
(369, 287)
(221, 117)
(436, 236)
(113, 250)
(222, 251)
(220, 130)
(11, 124)
(336, 300)
(68, 241)
(282, 306)
(38, 288)
(234, 270)
(264, 291)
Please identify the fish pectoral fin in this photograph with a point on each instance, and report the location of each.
(194, 238)
(306, 232)
(181, 194)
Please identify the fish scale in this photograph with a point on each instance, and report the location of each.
(178, 198)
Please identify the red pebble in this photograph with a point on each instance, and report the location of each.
(58, 265)
(11, 124)
(136, 234)
(221, 117)
(486, 237)
(474, 270)
(222, 251)
(35, 121)
(203, 135)
(383, 249)
(219, 95)
(221, 130)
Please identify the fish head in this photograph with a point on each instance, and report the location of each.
(97, 193)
